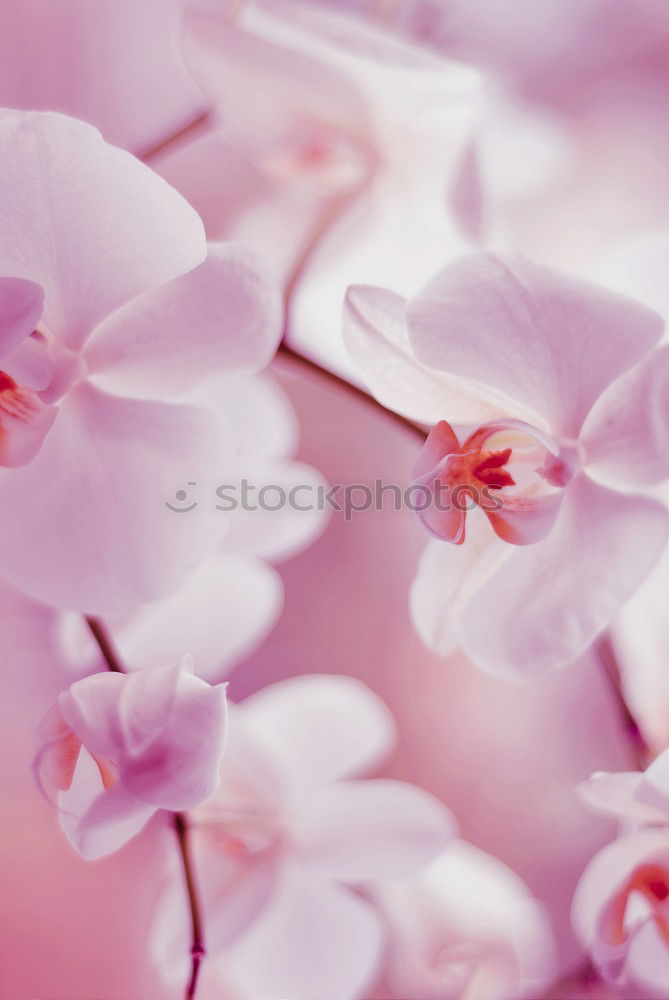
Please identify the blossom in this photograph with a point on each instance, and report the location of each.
(621, 909)
(289, 834)
(116, 747)
(465, 926)
(341, 163)
(137, 312)
(533, 362)
(116, 65)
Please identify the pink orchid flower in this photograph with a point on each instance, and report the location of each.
(621, 905)
(556, 389)
(122, 311)
(116, 65)
(115, 748)
(292, 831)
(465, 926)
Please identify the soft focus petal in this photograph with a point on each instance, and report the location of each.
(220, 613)
(99, 822)
(114, 64)
(145, 706)
(447, 577)
(375, 332)
(285, 511)
(313, 940)
(98, 228)
(29, 364)
(90, 708)
(547, 602)
(602, 881)
(257, 407)
(180, 766)
(626, 436)
(617, 795)
(547, 340)
(108, 466)
(224, 316)
(466, 926)
(321, 727)
(364, 830)
(21, 304)
(229, 905)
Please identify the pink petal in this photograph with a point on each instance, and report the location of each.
(224, 316)
(525, 520)
(313, 940)
(145, 706)
(261, 413)
(115, 65)
(99, 822)
(285, 512)
(447, 577)
(21, 304)
(626, 436)
(179, 767)
(98, 228)
(30, 364)
(548, 341)
(602, 881)
(300, 116)
(111, 466)
(375, 333)
(221, 612)
(320, 727)
(90, 708)
(617, 795)
(25, 422)
(229, 904)
(466, 904)
(364, 830)
(56, 759)
(546, 603)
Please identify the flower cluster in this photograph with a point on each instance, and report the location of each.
(322, 757)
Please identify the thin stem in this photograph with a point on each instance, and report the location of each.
(101, 635)
(197, 933)
(341, 383)
(606, 654)
(105, 644)
(188, 131)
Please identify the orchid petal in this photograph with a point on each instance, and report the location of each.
(375, 333)
(21, 304)
(179, 765)
(534, 613)
(110, 466)
(363, 830)
(314, 939)
(320, 727)
(99, 822)
(91, 254)
(220, 613)
(626, 437)
(224, 315)
(548, 341)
